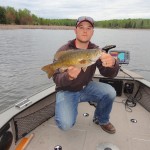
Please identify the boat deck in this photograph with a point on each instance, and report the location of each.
(86, 135)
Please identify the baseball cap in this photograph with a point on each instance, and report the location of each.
(85, 18)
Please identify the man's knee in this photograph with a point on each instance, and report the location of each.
(64, 125)
(111, 92)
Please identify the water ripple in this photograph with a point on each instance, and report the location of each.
(24, 52)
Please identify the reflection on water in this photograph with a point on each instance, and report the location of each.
(23, 52)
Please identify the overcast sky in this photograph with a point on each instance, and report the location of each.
(98, 9)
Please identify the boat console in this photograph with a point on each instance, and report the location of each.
(122, 56)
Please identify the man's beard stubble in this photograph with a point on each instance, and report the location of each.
(81, 41)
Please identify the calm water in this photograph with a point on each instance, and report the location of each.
(24, 52)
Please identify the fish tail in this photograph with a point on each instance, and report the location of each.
(49, 70)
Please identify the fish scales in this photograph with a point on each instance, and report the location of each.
(77, 58)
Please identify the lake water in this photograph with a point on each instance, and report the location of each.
(24, 51)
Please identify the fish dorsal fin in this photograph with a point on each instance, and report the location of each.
(61, 53)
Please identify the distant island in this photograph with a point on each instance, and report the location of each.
(11, 18)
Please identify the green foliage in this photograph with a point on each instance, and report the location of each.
(24, 17)
(2, 15)
(8, 15)
(124, 23)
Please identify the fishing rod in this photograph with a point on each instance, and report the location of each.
(108, 47)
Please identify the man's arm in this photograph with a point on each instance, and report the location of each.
(65, 78)
(108, 65)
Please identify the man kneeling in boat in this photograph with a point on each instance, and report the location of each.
(75, 84)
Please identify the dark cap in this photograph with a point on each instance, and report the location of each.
(85, 18)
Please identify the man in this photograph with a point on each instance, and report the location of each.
(75, 85)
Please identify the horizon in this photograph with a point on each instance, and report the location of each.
(99, 10)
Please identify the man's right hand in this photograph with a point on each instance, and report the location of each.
(73, 72)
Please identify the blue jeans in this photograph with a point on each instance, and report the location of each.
(66, 109)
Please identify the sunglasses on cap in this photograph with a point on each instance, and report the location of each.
(85, 18)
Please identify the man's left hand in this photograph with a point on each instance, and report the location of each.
(107, 60)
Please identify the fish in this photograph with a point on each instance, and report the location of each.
(79, 58)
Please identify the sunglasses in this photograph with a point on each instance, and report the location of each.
(85, 18)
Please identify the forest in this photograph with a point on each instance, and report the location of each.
(9, 15)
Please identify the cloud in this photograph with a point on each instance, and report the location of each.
(98, 9)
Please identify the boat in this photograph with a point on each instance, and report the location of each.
(30, 123)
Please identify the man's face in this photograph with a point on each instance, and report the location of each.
(84, 32)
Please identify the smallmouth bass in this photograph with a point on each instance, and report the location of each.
(78, 58)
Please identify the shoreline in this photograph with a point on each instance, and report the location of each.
(50, 27)
(8, 27)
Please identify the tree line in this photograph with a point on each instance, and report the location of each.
(125, 23)
(8, 15)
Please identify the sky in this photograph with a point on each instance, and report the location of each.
(72, 9)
